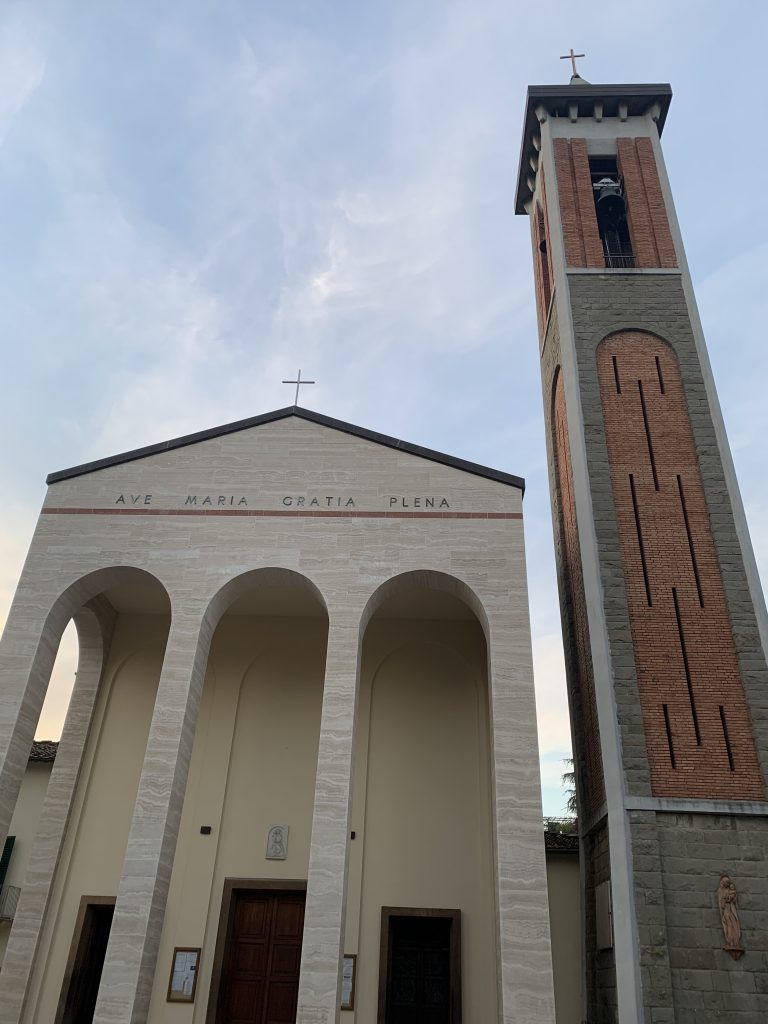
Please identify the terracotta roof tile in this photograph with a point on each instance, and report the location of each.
(44, 750)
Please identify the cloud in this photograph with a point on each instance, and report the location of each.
(22, 69)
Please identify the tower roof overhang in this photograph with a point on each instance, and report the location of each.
(573, 101)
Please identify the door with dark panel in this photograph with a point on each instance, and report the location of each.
(261, 975)
(422, 967)
(82, 987)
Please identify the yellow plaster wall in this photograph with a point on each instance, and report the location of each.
(421, 806)
(565, 923)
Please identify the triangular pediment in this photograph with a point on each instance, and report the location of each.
(240, 426)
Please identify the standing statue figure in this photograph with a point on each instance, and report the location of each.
(729, 915)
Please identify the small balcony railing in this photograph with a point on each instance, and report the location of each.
(9, 900)
(619, 260)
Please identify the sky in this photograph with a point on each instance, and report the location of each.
(197, 199)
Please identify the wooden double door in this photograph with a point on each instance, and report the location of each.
(260, 970)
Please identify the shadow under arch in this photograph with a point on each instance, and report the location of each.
(428, 581)
(90, 586)
(266, 577)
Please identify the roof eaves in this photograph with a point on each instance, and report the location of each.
(292, 410)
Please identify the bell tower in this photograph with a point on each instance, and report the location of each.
(664, 621)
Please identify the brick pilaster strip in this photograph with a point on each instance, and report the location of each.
(573, 242)
(638, 212)
(593, 247)
(656, 206)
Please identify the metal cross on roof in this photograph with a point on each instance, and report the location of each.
(572, 57)
(298, 382)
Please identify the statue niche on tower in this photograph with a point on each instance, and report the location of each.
(729, 916)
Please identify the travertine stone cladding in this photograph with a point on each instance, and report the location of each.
(94, 623)
(708, 985)
(274, 465)
(603, 304)
(380, 512)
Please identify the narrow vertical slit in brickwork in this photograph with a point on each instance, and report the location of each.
(687, 667)
(616, 375)
(661, 376)
(640, 543)
(668, 727)
(648, 435)
(694, 563)
(727, 738)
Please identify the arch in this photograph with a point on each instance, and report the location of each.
(426, 580)
(698, 733)
(650, 328)
(44, 646)
(266, 576)
(90, 586)
(624, 329)
(86, 602)
(261, 704)
(423, 772)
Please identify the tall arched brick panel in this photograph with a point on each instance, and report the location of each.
(697, 724)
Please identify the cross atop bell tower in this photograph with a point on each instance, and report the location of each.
(664, 621)
(571, 56)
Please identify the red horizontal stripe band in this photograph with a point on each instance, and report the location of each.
(325, 513)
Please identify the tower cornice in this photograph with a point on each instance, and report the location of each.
(575, 101)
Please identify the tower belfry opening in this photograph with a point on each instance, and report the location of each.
(611, 210)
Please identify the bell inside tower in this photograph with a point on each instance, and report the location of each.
(611, 209)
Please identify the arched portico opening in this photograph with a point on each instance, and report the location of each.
(253, 767)
(421, 865)
(74, 858)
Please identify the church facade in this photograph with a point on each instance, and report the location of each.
(298, 779)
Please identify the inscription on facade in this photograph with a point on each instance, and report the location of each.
(422, 502)
(133, 499)
(328, 501)
(306, 501)
(220, 500)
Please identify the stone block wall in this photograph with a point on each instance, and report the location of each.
(677, 859)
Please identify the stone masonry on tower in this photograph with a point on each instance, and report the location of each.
(663, 617)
